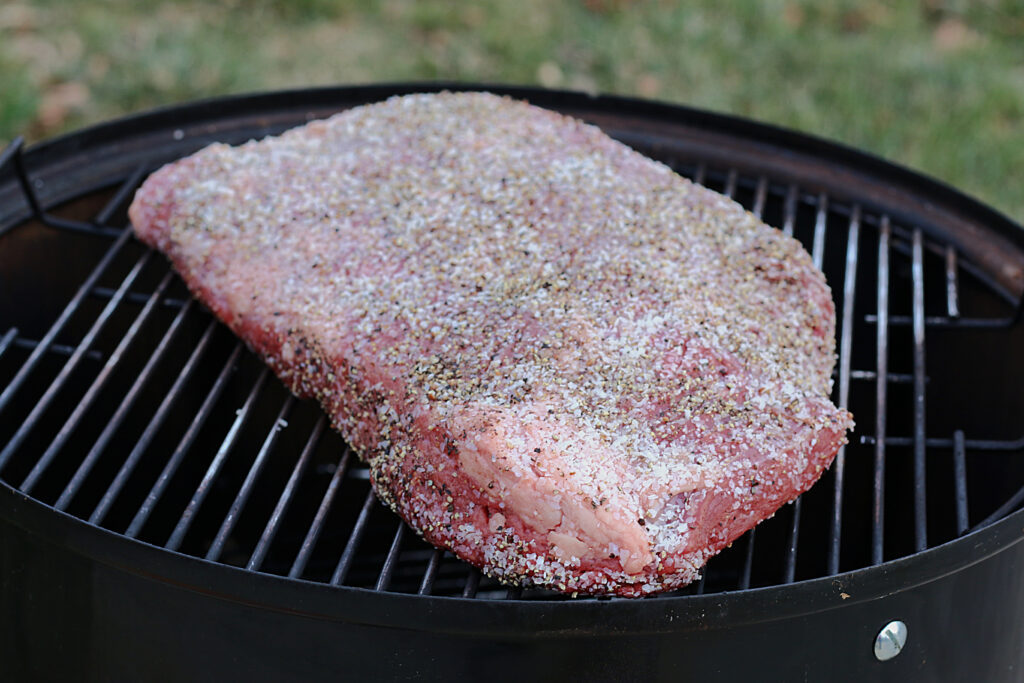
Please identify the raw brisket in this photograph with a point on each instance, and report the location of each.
(563, 362)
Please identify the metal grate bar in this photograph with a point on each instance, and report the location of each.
(270, 531)
(7, 340)
(820, 222)
(881, 387)
(359, 473)
(952, 286)
(431, 572)
(701, 173)
(890, 377)
(789, 212)
(51, 392)
(936, 442)
(845, 351)
(155, 422)
(730, 183)
(217, 547)
(77, 226)
(122, 410)
(309, 542)
(61, 321)
(384, 580)
(702, 581)
(920, 510)
(472, 584)
(514, 593)
(178, 535)
(136, 297)
(960, 481)
(789, 575)
(748, 561)
(760, 195)
(349, 554)
(123, 194)
(185, 444)
(942, 321)
(57, 349)
(93, 391)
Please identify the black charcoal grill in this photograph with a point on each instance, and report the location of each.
(169, 512)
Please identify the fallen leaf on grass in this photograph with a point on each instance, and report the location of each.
(58, 102)
(550, 75)
(18, 18)
(952, 35)
(606, 6)
(648, 85)
(793, 15)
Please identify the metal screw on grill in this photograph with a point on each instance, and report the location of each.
(890, 640)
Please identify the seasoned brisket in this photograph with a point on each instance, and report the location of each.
(561, 361)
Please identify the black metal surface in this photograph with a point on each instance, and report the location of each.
(161, 441)
(128, 614)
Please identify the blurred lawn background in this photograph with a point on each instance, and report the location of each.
(937, 85)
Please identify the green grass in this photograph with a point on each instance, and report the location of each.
(937, 85)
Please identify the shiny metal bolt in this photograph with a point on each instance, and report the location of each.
(890, 640)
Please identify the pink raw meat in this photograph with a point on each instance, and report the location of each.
(562, 361)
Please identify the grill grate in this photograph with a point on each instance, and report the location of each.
(135, 411)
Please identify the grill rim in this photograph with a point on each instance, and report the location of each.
(516, 618)
(801, 597)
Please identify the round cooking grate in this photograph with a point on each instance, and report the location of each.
(126, 406)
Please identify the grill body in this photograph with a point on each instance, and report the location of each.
(87, 606)
(208, 580)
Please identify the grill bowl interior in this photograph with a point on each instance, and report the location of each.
(137, 413)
